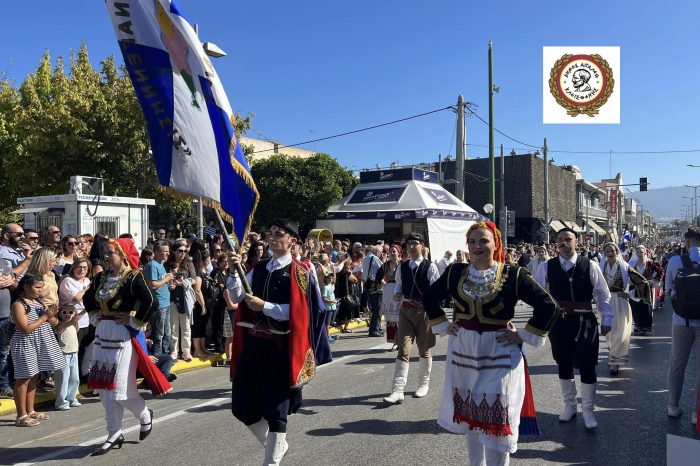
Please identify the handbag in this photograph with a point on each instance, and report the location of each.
(351, 300)
(7, 329)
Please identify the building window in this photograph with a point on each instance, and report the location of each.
(51, 218)
(107, 226)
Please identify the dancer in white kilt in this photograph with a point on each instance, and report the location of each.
(485, 371)
(625, 283)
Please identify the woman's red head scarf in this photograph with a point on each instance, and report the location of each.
(127, 250)
(499, 254)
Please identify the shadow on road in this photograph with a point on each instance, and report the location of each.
(380, 427)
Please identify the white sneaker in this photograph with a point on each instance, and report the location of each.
(674, 411)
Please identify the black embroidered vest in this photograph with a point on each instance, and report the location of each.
(414, 289)
(578, 290)
(272, 287)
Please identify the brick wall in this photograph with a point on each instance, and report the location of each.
(524, 190)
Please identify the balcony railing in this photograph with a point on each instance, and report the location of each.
(593, 212)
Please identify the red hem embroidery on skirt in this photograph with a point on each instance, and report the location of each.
(497, 430)
(101, 386)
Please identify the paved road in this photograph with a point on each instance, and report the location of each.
(344, 421)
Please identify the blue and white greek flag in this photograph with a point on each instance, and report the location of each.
(627, 236)
(188, 116)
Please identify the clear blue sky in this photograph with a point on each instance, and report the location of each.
(315, 68)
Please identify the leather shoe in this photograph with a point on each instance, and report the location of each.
(145, 433)
(116, 444)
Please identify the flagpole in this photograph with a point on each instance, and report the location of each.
(232, 247)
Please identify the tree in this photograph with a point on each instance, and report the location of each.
(301, 189)
(79, 121)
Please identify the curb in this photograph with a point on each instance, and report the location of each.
(8, 407)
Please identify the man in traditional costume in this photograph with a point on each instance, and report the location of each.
(574, 281)
(412, 280)
(120, 304)
(485, 373)
(279, 339)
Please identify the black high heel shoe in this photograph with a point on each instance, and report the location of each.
(145, 433)
(115, 444)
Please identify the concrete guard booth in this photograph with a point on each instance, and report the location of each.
(389, 204)
(77, 214)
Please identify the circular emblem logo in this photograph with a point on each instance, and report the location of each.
(581, 83)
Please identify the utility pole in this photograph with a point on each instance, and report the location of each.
(492, 163)
(502, 209)
(459, 164)
(546, 191)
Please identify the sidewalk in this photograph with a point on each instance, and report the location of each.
(46, 400)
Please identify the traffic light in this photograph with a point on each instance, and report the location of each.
(642, 184)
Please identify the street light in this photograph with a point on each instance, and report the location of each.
(695, 200)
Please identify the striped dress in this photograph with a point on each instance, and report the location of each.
(38, 351)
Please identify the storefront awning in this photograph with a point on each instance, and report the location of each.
(597, 228)
(32, 210)
(556, 225)
(574, 227)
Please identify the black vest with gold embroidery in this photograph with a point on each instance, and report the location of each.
(511, 284)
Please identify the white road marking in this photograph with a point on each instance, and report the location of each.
(100, 439)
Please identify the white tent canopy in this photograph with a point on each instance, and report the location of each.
(369, 205)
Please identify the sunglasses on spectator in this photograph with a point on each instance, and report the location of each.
(217, 249)
(31, 238)
(181, 250)
(17, 234)
(71, 243)
(67, 312)
(57, 232)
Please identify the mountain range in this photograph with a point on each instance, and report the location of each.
(665, 203)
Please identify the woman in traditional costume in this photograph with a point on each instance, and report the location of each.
(653, 273)
(487, 391)
(120, 305)
(541, 257)
(624, 283)
(390, 307)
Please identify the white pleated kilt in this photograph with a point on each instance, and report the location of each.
(113, 350)
(484, 385)
(390, 308)
(621, 331)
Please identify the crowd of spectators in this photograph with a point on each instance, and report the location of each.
(45, 274)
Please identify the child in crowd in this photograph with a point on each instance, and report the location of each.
(67, 378)
(330, 302)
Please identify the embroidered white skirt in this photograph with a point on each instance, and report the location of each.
(114, 362)
(390, 308)
(621, 331)
(484, 388)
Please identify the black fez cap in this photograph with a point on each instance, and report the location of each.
(286, 225)
(415, 236)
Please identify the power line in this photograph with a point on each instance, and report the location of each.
(502, 133)
(358, 130)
